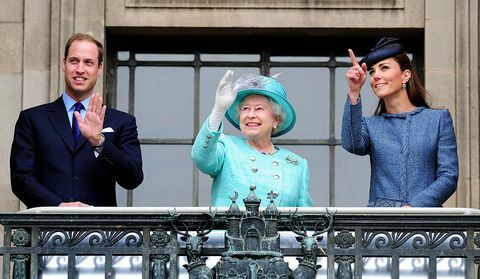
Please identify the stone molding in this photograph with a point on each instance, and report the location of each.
(260, 4)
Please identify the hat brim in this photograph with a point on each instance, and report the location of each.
(290, 116)
(380, 54)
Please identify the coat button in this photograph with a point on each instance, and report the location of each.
(205, 145)
(209, 136)
(275, 163)
(253, 158)
(276, 176)
(254, 169)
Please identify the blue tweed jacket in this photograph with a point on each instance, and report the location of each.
(413, 155)
(234, 166)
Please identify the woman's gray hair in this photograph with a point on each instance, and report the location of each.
(277, 110)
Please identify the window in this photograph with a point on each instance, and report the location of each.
(169, 84)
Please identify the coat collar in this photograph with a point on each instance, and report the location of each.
(403, 114)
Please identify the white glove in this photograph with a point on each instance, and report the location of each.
(223, 99)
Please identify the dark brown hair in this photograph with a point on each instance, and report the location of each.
(415, 90)
(84, 37)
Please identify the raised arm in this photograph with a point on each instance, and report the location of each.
(208, 151)
(355, 138)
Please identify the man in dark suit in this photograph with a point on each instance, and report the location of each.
(71, 152)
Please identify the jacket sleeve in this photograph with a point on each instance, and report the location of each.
(305, 196)
(355, 137)
(447, 167)
(124, 158)
(208, 151)
(23, 162)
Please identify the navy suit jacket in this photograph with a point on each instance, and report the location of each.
(47, 169)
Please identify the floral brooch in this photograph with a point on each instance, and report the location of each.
(291, 160)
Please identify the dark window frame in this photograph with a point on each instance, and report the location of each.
(263, 42)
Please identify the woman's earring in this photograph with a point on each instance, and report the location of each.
(404, 85)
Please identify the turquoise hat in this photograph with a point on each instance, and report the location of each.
(261, 85)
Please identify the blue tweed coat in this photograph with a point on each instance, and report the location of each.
(234, 166)
(413, 155)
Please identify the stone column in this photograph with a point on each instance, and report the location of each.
(451, 76)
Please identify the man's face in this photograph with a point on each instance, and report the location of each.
(81, 69)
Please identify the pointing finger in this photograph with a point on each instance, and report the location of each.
(352, 57)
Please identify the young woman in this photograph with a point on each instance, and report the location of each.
(412, 148)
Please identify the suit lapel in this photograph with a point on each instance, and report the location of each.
(81, 141)
(59, 119)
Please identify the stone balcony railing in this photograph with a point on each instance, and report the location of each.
(242, 243)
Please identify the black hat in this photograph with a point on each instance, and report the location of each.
(385, 48)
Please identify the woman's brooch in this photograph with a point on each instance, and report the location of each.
(291, 160)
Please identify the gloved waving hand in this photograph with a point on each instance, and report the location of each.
(223, 99)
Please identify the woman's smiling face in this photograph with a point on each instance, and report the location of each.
(257, 118)
(386, 78)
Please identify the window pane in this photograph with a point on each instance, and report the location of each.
(204, 190)
(122, 88)
(369, 100)
(209, 79)
(163, 57)
(168, 176)
(121, 195)
(164, 102)
(352, 178)
(230, 57)
(299, 58)
(123, 55)
(308, 92)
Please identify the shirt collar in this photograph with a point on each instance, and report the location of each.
(69, 102)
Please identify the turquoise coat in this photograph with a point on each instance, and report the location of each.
(234, 166)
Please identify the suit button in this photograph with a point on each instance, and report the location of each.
(76, 178)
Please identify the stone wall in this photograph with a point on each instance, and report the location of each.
(34, 33)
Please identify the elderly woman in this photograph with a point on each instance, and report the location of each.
(258, 106)
(412, 148)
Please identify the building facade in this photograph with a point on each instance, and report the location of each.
(164, 59)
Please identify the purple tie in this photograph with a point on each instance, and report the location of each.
(75, 129)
